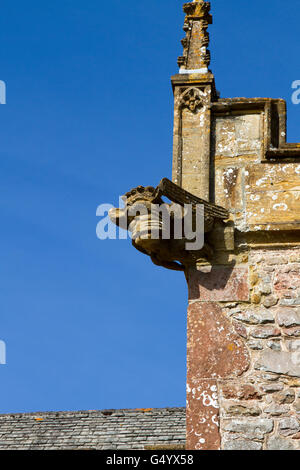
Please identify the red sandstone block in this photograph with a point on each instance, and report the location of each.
(285, 281)
(214, 349)
(238, 391)
(240, 329)
(220, 284)
(202, 416)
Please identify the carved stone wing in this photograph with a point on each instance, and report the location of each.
(180, 196)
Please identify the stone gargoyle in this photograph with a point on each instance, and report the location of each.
(167, 232)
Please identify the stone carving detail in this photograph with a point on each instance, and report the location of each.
(195, 53)
(184, 42)
(198, 10)
(140, 218)
(181, 61)
(192, 99)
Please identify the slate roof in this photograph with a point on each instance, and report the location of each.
(101, 430)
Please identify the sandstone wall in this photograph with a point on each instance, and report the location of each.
(243, 382)
(260, 194)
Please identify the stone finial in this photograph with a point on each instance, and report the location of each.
(196, 56)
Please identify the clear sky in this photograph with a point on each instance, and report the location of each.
(92, 324)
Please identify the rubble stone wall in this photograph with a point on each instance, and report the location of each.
(243, 382)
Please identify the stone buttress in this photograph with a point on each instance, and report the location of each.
(243, 350)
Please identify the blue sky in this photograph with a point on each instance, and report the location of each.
(92, 324)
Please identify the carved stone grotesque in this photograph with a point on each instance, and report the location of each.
(167, 231)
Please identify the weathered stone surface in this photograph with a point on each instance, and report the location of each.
(196, 55)
(254, 317)
(255, 298)
(242, 444)
(277, 410)
(278, 362)
(275, 352)
(255, 345)
(241, 410)
(194, 165)
(291, 382)
(214, 349)
(277, 260)
(240, 329)
(285, 397)
(265, 289)
(274, 345)
(296, 406)
(273, 196)
(271, 388)
(292, 332)
(237, 135)
(250, 428)
(278, 443)
(293, 345)
(221, 283)
(288, 317)
(229, 188)
(270, 377)
(203, 416)
(284, 283)
(270, 301)
(289, 426)
(254, 278)
(265, 332)
(289, 301)
(239, 391)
